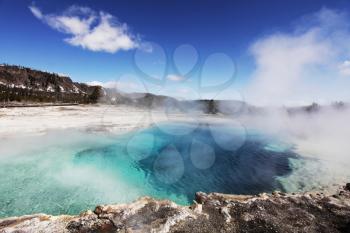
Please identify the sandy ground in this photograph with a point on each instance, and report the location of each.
(116, 119)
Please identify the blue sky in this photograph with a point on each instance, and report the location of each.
(232, 28)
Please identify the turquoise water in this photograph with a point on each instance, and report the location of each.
(71, 171)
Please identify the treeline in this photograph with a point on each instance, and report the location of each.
(10, 94)
(22, 84)
(29, 70)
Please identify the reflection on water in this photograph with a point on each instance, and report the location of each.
(60, 177)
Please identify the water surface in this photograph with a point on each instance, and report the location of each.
(69, 171)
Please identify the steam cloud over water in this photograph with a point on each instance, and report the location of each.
(297, 67)
(321, 137)
(70, 171)
(306, 64)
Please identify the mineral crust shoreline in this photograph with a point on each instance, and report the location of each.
(214, 212)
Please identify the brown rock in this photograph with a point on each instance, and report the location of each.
(212, 212)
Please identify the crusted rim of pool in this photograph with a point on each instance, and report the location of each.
(214, 212)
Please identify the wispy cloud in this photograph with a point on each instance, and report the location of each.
(123, 85)
(90, 30)
(304, 65)
(127, 83)
(175, 78)
(344, 68)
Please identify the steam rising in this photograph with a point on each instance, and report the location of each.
(305, 65)
(321, 137)
(308, 64)
(42, 168)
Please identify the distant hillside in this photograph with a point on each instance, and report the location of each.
(21, 84)
(25, 84)
(149, 100)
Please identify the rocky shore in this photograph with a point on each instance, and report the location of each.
(214, 212)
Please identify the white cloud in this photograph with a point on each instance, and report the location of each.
(121, 85)
(344, 68)
(36, 12)
(90, 30)
(110, 84)
(95, 83)
(175, 78)
(302, 66)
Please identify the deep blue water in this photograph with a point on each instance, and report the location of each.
(68, 172)
(207, 158)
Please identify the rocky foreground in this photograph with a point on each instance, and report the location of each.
(276, 212)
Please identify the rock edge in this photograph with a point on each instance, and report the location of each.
(214, 212)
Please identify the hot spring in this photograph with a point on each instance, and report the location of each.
(66, 172)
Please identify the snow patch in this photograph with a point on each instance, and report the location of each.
(50, 89)
(75, 89)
